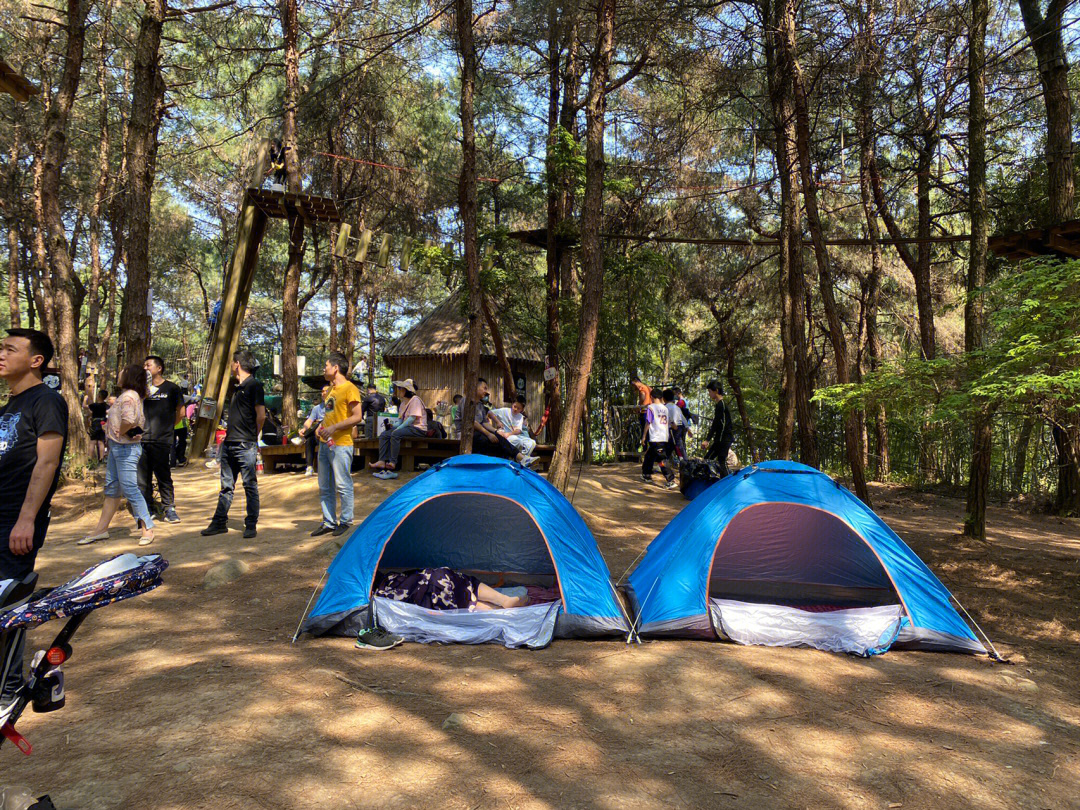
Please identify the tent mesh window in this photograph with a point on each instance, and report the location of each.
(796, 555)
(487, 536)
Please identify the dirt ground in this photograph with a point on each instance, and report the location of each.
(193, 698)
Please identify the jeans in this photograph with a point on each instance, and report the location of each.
(122, 475)
(238, 460)
(155, 464)
(180, 447)
(678, 440)
(335, 481)
(390, 442)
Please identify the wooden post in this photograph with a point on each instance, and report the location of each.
(384, 251)
(362, 247)
(262, 163)
(238, 278)
(342, 243)
(406, 254)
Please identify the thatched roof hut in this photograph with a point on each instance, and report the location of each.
(433, 354)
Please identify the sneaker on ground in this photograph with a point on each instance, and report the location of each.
(528, 461)
(376, 639)
(211, 464)
(646, 478)
(323, 529)
(386, 475)
(309, 472)
(171, 516)
(672, 484)
(341, 528)
(212, 530)
(249, 533)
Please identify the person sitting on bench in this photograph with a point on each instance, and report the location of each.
(413, 425)
(512, 425)
(486, 438)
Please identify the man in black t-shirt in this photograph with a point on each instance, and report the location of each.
(720, 435)
(164, 407)
(239, 451)
(371, 406)
(33, 435)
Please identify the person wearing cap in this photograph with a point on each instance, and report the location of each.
(413, 424)
(720, 435)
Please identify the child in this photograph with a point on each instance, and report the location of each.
(676, 424)
(658, 435)
(455, 415)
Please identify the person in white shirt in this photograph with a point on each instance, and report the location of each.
(510, 423)
(676, 424)
(655, 441)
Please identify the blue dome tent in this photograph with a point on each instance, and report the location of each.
(487, 517)
(780, 554)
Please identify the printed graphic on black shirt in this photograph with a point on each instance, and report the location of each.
(24, 418)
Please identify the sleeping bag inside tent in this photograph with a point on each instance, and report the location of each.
(485, 517)
(779, 554)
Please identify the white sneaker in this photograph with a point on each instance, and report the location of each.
(211, 464)
(528, 461)
(309, 472)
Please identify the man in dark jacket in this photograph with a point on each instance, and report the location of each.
(720, 435)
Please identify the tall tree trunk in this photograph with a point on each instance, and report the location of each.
(1044, 32)
(467, 205)
(591, 247)
(94, 289)
(64, 282)
(924, 295)
(869, 64)
(14, 250)
(826, 283)
(1019, 466)
(789, 232)
(974, 316)
(509, 390)
(335, 275)
(353, 273)
(147, 100)
(290, 309)
(372, 310)
(740, 402)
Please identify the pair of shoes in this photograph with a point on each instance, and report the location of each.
(309, 472)
(672, 484)
(250, 532)
(323, 529)
(213, 529)
(528, 461)
(342, 528)
(92, 538)
(146, 539)
(171, 516)
(386, 475)
(375, 639)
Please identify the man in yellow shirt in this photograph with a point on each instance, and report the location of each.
(336, 447)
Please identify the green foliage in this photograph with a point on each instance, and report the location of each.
(566, 160)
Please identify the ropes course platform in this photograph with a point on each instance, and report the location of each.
(1057, 240)
(283, 205)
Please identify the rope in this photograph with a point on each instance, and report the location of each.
(994, 654)
(391, 167)
(296, 635)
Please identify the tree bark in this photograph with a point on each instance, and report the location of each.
(591, 246)
(467, 206)
(147, 100)
(852, 436)
(740, 402)
(94, 288)
(290, 310)
(372, 310)
(974, 316)
(64, 282)
(14, 249)
(1044, 32)
(509, 390)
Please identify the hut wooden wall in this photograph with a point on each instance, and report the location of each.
(439, 378)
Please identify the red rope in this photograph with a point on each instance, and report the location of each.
(401, 168)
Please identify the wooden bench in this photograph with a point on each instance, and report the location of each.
(275, 454)
(431, 451)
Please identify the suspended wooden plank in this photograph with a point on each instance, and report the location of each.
(342, 243)
(406, 253)
(362, 247)
(384, 251)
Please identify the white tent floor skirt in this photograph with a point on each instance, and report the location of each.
(531, 626)
(859, 631)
